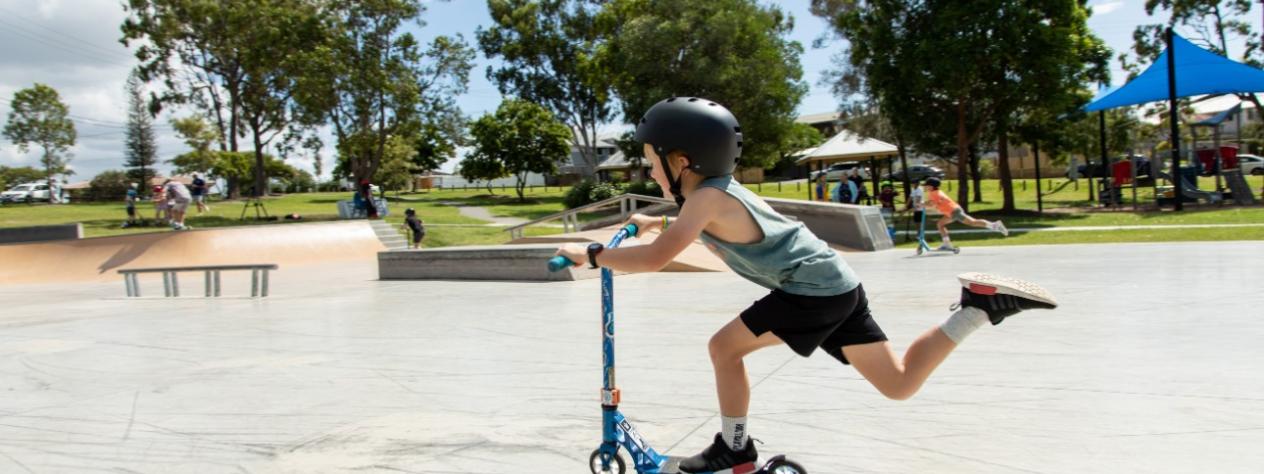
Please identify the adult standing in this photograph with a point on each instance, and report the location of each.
(199, 192)
(366, 192)
(859, 185)
(179, 197)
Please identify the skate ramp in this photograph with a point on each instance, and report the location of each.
(97, 259)
(523, 259)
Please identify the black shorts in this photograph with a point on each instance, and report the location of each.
(807, 322)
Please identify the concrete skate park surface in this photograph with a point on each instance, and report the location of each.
(1152, 364)
(98, 258)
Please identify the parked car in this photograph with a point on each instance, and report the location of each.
(917, 173)
(1251, 164)
(837, 171)
(34, 192)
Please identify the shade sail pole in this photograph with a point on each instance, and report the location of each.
(1173, 118)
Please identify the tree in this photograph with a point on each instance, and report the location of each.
(371, 81)
(549, 49)
(37, 116)
(479, 166)
(10, 177)
(238, 61)
(142, 150)
(522, 137)
(200, 136)
(961, 66)
(239, 167)
(633, 151)
(396, 171)
(110, 185)
(734, 52)
(433, 147)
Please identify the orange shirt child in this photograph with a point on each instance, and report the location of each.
(942, 202)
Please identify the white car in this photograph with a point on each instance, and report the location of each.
(35, 192)
(838, 171)
(1251, 164)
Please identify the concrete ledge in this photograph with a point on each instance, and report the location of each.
(42, 233)
(849, 225)
(527, 262)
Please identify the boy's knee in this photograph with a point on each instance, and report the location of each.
(899, 394)
(720, 352)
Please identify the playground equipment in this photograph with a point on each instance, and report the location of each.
(616, 430)
(1222, 161)
(1164, 195)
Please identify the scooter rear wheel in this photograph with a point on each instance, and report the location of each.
(616, 464)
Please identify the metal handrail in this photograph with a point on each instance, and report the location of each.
(570, 217)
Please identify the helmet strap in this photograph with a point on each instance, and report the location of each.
(674, 181)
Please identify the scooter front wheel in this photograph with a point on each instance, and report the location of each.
(615, 462)
(781, 465)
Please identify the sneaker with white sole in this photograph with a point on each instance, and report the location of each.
(1002, 297)
(1000, 227)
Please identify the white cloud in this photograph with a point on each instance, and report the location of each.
(1105, 8)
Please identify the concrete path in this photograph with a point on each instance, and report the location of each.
(1098, 228)
(1152, 364)
(482, 213)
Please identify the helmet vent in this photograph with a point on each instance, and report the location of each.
(737, 129)
(673, 99)
(693, 99)
(711, 104)
(739, 144)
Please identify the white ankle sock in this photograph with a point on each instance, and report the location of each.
(734, 431)
(963, 322)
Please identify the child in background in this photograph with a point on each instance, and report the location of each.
(130, 199)
(952, 212)
(162, 212)
(414, 226)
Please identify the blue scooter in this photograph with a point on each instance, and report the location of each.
(616, 430)
(922, 246)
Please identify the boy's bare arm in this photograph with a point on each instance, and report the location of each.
(702, 209)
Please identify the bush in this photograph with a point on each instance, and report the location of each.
(108, 186)
(644, 188)
(602, 191)
(577, 195)
(587, 192)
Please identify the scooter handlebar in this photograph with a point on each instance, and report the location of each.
(559, 263)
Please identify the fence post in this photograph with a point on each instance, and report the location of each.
(759, 187)
(778, 186)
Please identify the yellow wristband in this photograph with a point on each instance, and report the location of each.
(664, 222)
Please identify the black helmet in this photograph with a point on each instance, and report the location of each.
(932, 181)
(410, 211)
(703, 130)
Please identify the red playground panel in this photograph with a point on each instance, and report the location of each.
(1228, 157)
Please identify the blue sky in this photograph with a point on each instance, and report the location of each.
(72, 45)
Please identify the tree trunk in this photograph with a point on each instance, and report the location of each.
(48, 174)
(1002, 167)
(261, 174)
(974, 173)
(521, 185)
(963, 150)
(899, 144)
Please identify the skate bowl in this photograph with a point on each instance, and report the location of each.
(98, 258)
(523, 259)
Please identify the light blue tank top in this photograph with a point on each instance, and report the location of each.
(790, 258)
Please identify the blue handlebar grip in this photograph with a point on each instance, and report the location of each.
(559, 263)
(632, 230)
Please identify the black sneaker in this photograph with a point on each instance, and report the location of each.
(719, 458)
(1002, 297)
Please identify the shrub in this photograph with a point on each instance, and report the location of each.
(577, 195)
(108, 186)
(644, 188)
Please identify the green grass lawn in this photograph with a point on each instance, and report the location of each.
(1065, 206)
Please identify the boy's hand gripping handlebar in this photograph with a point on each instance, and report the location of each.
(558, 262)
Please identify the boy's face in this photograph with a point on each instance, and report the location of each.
(656, 170)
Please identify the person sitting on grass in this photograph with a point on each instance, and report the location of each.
(816, 299)
(952, 212)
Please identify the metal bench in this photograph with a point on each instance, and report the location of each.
(171, 284)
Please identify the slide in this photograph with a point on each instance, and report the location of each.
(1190, 191)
